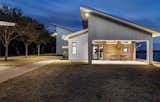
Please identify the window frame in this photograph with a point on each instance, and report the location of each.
(74, 48)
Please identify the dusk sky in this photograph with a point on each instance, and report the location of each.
(67, 12)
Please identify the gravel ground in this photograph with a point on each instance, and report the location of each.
(84, 83)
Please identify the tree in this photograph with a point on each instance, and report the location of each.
(42, 37)
(28, 31)
(7, 34)
(10, 14)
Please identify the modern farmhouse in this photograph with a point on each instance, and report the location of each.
(108, 38)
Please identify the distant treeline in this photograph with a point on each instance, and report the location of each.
(27, 36)
(17, 48)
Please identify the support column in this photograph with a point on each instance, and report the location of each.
(150, 51)
(134, 50)
(98, 52)
(90, 53)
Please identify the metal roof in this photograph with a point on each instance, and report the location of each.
(85, 9)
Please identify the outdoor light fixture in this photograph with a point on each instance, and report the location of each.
(129, 42)
(87, 14)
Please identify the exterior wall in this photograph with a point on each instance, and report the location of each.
(59, 41)
(82, 48)
(104, 29)
(115, 52)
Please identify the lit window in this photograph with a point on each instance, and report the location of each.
(125, 50)
(74, 48)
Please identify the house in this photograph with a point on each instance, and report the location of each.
(108, 38)
(61, 45)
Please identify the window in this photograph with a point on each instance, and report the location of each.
(74, 48)
(125, 50)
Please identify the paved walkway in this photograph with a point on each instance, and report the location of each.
(5, 67)
(157, 64)
(7, 73)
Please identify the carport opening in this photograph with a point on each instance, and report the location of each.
(141, 51)
(119, 52)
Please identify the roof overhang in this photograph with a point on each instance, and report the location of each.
(54, 35)
(86, 12)
(72, 35)
(63, 27)
(4, 23)
(65, 47)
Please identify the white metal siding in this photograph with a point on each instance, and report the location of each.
(104, 29)
(59, 41)
(82, 48)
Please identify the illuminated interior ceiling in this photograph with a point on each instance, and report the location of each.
(116, 41)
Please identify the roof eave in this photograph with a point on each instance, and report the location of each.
(72, 35)
(88, 10)
(63, 27)
(4, 23)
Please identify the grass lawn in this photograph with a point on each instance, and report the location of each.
(21, 60)
(84, 83)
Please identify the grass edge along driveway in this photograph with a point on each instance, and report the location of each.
(22, 60)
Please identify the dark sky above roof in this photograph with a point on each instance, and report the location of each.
(67, 12)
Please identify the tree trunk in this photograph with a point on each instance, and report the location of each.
(26, 50)
(39, 49)
(6, 52)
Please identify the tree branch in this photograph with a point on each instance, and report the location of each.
(14, 37)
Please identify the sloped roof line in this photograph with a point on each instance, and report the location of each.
(75, 34)
(63, 27)
(127, 22)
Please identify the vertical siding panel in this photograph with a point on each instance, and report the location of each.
(104, 29)
(59, 41)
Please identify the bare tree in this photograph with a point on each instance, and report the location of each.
(10, 14)
(28, 31)
(7, 34)
(42, 38)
